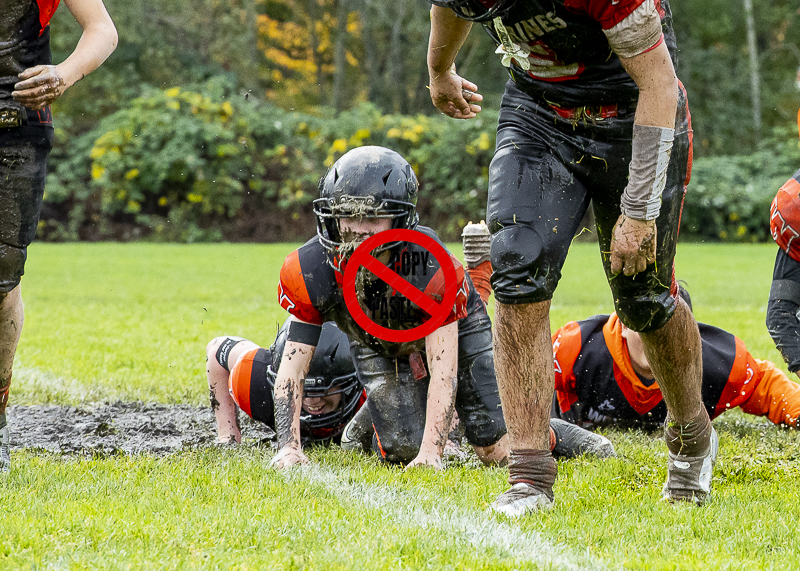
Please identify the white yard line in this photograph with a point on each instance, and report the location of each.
(482, 530)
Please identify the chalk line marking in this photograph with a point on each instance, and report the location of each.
(479, 529)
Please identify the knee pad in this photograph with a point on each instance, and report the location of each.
(646, 313)
(12, 266)
(522, 271)
(396, 448)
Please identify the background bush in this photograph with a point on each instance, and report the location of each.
(206, 164)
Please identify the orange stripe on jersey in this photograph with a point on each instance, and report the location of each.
(239, 381)
(641, 398)
(378, 440)
(566, 348)
(774, 395)
(293, 293)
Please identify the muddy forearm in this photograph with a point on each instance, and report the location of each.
(288, 393)
(225, 409)
(287, 413)
(439, 413)
(442, 350)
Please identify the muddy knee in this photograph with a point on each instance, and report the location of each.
(12, 266)
(646, 313)
(522, 270)
(397, 448)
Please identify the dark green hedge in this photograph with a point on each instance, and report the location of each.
(206, 164)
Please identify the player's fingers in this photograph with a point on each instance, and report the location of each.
(31, 71)
(616, 263)
(641, 264)
(630, 266)
(467, 84)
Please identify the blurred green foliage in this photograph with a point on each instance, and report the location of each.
(180, 165)
(187, 166)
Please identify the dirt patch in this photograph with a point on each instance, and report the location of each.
(127, 428)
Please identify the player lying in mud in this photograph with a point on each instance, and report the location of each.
(413, 387)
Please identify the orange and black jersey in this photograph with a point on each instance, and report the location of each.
(596, 383)
(311, 290)
(25, 41)
(571, 61)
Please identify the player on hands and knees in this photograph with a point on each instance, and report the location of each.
(604, 378)
(412, 386)
(241, 375)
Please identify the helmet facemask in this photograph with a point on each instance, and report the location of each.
(367, 183)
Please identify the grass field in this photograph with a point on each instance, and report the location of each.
(130, 322)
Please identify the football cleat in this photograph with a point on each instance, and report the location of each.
(521, 499)
(573, 441)
(689, 477)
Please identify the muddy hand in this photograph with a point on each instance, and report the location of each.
(426, 460)
(40, 86)
(455, 96)
(633, 245)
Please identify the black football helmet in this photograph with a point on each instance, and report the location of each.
(476, 10)
(331, 372)
(367, 182)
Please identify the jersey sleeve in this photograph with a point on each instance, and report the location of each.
(566, 348)
(784, 302)
(632, 27)
(293, 294)
(759, 388)
(775, 395)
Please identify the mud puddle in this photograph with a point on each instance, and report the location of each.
(127, 428)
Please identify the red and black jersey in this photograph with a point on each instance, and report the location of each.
(311, 290)
(25, 41)
(783, 323)
(571, 60)
(596, 383)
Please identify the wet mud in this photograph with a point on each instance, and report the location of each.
(120, 428)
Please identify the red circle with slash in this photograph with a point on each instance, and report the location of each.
(438, 312)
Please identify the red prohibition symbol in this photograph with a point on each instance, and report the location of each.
(438, 312)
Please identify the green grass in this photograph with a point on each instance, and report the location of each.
(107, 322)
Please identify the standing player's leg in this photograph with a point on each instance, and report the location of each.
(23, 168)
(535, 206)
(11, 318)
(649, 303)
(566, 440)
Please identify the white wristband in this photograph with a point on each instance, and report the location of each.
(652, 147)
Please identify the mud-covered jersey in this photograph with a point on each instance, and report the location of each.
(596, 383)
(571, 60)
(311, 290)
(25, 42)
